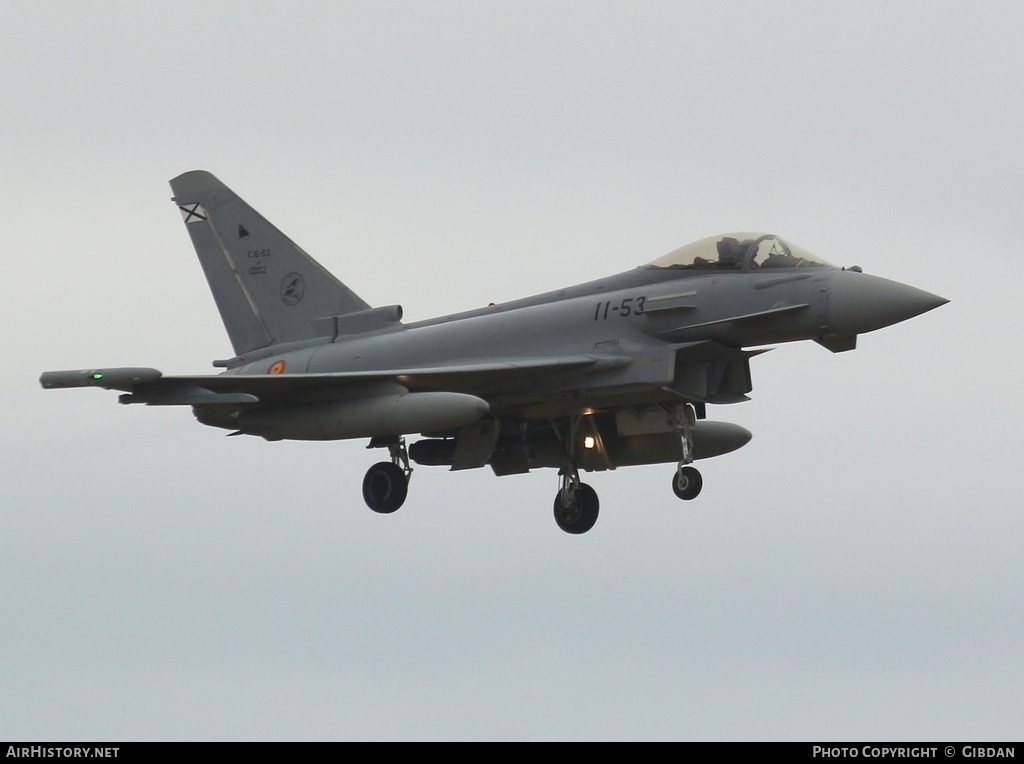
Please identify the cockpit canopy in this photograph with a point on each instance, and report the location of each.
(738, 252)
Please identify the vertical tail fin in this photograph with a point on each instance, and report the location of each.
(268, 291)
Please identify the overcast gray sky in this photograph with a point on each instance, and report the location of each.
(853, 573)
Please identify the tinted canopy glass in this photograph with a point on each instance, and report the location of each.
(739, 251)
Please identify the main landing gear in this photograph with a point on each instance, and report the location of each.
(576, 504)
(387, 483)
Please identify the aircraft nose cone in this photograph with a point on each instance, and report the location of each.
(861, 303)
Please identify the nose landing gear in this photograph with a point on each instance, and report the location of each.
(687, 482)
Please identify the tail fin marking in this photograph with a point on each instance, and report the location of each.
(267, 289)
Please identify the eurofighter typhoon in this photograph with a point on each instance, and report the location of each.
(610, 373)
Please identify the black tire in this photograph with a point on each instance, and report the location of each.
(385, 487)
(580, 516)
(686, 483)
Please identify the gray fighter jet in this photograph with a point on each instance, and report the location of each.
(606, 374)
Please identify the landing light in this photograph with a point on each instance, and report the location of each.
(589, 442)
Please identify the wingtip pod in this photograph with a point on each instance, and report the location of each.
(123, 378)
